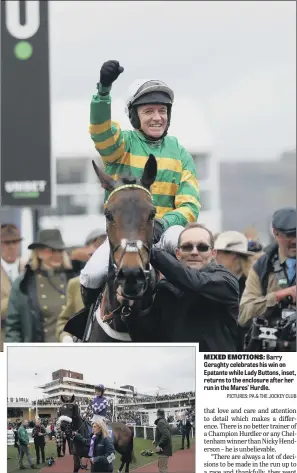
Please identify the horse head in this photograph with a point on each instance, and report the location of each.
(68, 410)
(130, 213)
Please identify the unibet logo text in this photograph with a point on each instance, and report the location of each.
(25, 189)
(23, 49)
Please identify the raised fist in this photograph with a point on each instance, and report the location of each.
(110, 71)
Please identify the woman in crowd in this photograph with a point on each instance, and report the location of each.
(39, 295)
(38, 434)
(238, 255)
(101, 452)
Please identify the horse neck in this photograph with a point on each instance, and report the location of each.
(77, 422)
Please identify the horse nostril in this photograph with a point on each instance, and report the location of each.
(131, 273)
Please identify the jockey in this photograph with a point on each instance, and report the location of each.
(175, 192)
(99, 404)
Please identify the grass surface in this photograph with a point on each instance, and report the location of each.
(50, 449)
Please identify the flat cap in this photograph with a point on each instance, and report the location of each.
(284, 220)
(234, 242)
(94, 234)
(10, 232)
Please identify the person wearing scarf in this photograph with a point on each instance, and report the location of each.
(101, 451)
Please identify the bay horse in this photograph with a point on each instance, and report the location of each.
(129, 213)
(71, 421)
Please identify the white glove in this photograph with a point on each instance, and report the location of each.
(67, 339)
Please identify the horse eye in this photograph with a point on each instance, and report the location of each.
(108, 216)
(152, 215)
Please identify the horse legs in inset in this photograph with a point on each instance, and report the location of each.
(76, 463)
(69, 442)
(127, 455)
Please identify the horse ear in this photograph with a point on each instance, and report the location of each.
(72, 398)
(107, 182)
(62, 399)
(149, 172)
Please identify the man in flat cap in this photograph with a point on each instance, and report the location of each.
(163, 441)
(81, 255)
(10, 267)
(273, 277)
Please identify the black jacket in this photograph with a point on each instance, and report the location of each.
(196, 305)
(103, 453)
(185, 428)
(39, 439)
(163, 437)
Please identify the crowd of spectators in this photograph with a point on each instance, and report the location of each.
(123, 414)
(130, 416)
(57, 401)
(163, 397)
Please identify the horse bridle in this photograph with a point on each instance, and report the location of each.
(131, 246)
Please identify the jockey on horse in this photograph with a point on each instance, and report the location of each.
(99, 404)
(175, 192)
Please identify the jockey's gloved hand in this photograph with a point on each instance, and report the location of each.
(110, 71)
(158, 230)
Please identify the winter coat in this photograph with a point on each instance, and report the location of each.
(104, 453)
(24, 321)
(163, 437)
(196, 305)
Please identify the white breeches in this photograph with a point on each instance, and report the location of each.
(97, 417)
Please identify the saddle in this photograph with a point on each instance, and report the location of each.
(109, 430)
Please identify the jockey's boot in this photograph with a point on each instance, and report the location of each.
(59, 452)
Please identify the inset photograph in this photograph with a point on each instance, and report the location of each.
(101, 409)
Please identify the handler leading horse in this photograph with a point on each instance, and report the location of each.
(71, 421)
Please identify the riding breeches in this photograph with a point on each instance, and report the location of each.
(94, 274)
(97, 417)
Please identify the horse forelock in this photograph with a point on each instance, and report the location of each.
(129, 179)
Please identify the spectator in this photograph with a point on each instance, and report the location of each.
(185, 427)
(24, 446)
(38, 435)
(11, 267)
(273, 277)
(61, 440)
(80, 256)
(39, 295)
(162, 441)
(53, 433)
(198, 300)
(16, 438)
(233, 253)
(74, 299)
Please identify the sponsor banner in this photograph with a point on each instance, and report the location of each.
(25, 105)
